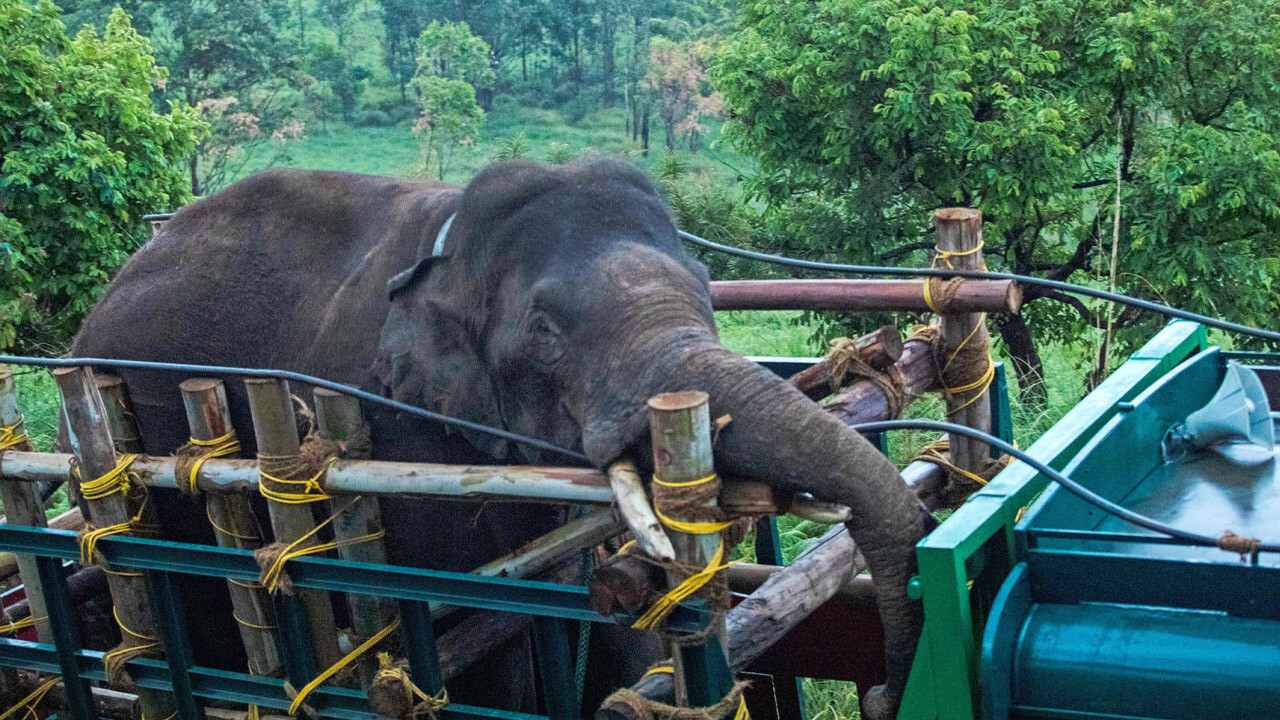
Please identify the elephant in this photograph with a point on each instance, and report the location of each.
(548, 300)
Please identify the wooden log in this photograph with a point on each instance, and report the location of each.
(880, 349)
(680, 430)
(22, 505)
(120, 417)
(338, 418)
(545, 552)
(82, 585)
(276, 429)
(756, 498)
(234, 526)
(633, 504)
(960, 233)
(90, 437)
(865, 401)
(861, 295)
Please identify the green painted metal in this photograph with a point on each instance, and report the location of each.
(177, 644)
(1001, 412)
(66, 638)
(555, 668)
(944, 679)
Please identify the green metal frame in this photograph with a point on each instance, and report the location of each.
(976, 543)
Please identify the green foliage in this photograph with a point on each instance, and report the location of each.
(512, 147)
(85, 154)
(329, 64)
(866, 115)
(451, 63)
(559, 153)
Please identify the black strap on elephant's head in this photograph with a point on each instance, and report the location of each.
(403, 279)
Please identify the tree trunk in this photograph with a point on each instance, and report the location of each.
(302, 24)
(1026, 360)
(608, 64)
(644, 133)
(195, 174)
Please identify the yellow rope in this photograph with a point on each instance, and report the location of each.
(115, 481)
(430, 704)
(243, 584)
(89, 540)
(690, 483)
(665, 604)
(301, 697)
(271, 578)
(933, 453)
(312, 490)
(121, 573)
(131, 650)
(946, 255)
(246, 623)
(694, 528)
(741, 714)
(34, 698)
(208, 514)
(10, 437)
(983, 382)
(218, 447)
(22, 624)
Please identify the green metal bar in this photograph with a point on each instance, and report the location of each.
(66, 638)
(555, 668)
(788, 691)
(1001, 412)
(331, 702)
(420, 649)
(172, 620)
(768, 542)
(294, 636)
(951, 653)
(706, 672)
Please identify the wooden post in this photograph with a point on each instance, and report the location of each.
(90, 438)
(960, 231)
(680, 425)
(338, 418)
(235, 526)
(22, 507)
(276, 430)
(124, 427)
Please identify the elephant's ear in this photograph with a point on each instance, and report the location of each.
(427, 358)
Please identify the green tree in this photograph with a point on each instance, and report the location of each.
(83, 155)
(866, 115)
(452, 63)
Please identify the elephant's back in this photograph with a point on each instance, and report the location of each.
(286, 269)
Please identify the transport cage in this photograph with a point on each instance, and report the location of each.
(1101, 618)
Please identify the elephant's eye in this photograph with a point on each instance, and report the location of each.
(545, 339)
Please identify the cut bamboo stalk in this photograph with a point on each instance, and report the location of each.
(235, 526)
(545, 552)
(879, 349)
(680, 428)
(276, 430)
(90, 437)
(115, 400)
(633, 505)
(338, 418)
(960, 231)
(861, 295)
(22, 506)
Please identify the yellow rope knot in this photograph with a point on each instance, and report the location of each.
(10, 437)
(300, 696)
(115, 481)
(647, 709)
(394, 695)
(193, 456)
(663, 606)
(273, 557)
(22, 624)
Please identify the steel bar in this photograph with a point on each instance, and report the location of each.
(861, 295)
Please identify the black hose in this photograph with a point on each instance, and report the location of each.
(983, 275)
(1067, 483)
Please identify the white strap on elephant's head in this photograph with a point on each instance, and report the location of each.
(437, 250)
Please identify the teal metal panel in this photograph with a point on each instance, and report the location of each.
(555, 668)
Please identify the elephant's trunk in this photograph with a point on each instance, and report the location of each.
(780, 437)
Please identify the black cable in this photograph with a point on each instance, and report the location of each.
(1066, 287)
(295, 377)
(1067, 483)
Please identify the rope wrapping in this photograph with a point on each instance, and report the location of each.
(299, 697)
(394, 695)
(961, 483)
(10, 438)
(272, 558)
(114, 661)
(189, 458)
(843, 362)
(645, 709)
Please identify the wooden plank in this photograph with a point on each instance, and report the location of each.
(861, 295)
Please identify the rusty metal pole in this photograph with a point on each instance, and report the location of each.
(234, 525)
(680, 425)
(276, 430)
(960, 235)
(90, 438)
(338, 418)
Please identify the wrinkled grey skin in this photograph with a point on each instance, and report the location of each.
(565, 302)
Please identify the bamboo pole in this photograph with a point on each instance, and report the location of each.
(90, 437)
(680, 427)
(121, 420)
(276, 430)
(338, 418)
(231, 514)
(879, 349)
(960, 231)
(862, 295)
(22, 506)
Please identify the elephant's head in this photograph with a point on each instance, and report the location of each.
(565, 300)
